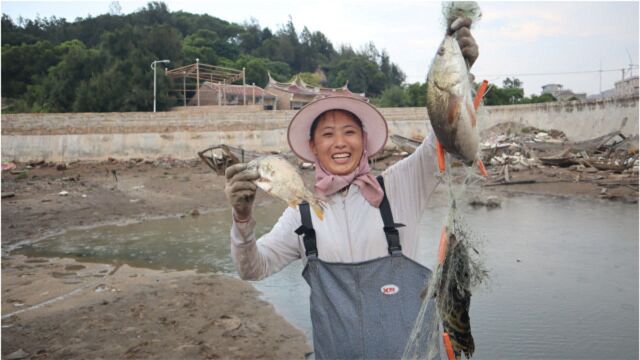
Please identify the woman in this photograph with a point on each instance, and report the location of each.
(359, 259)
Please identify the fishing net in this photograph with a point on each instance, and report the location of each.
(447, 293)
(451, 10)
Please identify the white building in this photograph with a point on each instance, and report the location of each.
(562, 94)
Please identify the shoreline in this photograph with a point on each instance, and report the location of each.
(210, 311)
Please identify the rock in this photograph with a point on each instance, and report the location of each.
(195, 212)
(61, 167)
(19, 354)
(63, 193)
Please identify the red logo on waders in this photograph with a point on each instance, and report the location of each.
(389, 289)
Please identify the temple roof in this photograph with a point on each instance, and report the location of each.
(239, 89)
(298, 86)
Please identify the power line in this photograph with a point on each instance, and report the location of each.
(557, 73)
(496, 76)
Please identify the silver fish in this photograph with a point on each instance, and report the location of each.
(281, 179)
(450, 102)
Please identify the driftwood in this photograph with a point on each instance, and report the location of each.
(515, 182)
(8, 195)
(563, 159)
(219, 157)
(405, 144)
(590, 145)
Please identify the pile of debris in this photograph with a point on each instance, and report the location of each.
(531, 147)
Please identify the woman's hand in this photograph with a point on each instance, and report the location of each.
(240, 190)
(460, 30)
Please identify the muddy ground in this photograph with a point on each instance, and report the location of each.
(100, 311)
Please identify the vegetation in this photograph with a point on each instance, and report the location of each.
(102, 63)
(511, 93)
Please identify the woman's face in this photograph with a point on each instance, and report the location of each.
(337, 142)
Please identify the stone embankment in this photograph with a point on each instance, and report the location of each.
(180, 134)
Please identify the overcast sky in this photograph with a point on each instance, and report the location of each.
(521, 39)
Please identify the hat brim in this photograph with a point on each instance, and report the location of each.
(373, 123)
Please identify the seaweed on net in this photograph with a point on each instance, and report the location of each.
(447, 293)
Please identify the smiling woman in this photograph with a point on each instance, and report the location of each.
(360, 257)
(337, 142)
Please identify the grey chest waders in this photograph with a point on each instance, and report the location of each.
(363, 310)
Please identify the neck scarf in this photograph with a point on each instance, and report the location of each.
(328, 184)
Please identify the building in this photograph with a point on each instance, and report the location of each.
(623, 88)
(626, 87)
(562, 94)
(231, 95)
(296, 94)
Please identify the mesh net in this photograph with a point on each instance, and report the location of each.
(447, 295)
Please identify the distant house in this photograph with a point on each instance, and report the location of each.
(296, 94)
(562, 94)
(626, 87)
(225, 94)
(623, 88)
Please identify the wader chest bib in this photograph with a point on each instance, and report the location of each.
(363, 310)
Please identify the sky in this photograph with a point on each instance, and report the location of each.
(565, 43)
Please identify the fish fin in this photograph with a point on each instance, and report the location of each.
(441, 161)
(453, 108)
(318, 210)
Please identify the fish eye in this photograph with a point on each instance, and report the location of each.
(441, 50)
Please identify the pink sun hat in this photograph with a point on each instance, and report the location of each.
(374, 124)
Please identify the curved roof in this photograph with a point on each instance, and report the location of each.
(298, 86)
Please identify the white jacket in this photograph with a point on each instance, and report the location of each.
(351, 230)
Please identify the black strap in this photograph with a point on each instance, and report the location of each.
(390, 227)
(306, 229)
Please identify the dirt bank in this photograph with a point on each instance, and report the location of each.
(99, 311)
(140, 313)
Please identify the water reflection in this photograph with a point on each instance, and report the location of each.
(564, 273)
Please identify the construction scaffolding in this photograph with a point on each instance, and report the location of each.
(206, 73)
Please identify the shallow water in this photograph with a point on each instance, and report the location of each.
(563, 273)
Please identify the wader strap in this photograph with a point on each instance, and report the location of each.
(390, 227)
(306, 229)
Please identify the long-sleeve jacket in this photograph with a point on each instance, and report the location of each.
(352, 229)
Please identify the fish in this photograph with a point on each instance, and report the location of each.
(453, 297)
(449, 93)
(456, 273)
(279, 178)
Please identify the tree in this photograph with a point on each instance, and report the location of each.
(21, 64)
(514, 83)
(417, 94)
(394, 96)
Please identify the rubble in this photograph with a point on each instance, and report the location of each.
(510, 147)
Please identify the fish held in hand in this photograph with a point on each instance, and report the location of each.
(281, 179)
(449, 97)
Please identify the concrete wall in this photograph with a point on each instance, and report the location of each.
(580, 120)
(180, 134)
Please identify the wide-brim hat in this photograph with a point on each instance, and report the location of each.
(373, 123)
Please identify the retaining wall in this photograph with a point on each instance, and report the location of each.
(180, 134)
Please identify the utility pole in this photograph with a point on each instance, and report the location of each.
(600, 85)
(198, 79)
(153, 66)
(184, 87)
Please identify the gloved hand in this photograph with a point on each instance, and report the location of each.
(240, 190)
(460, 30)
